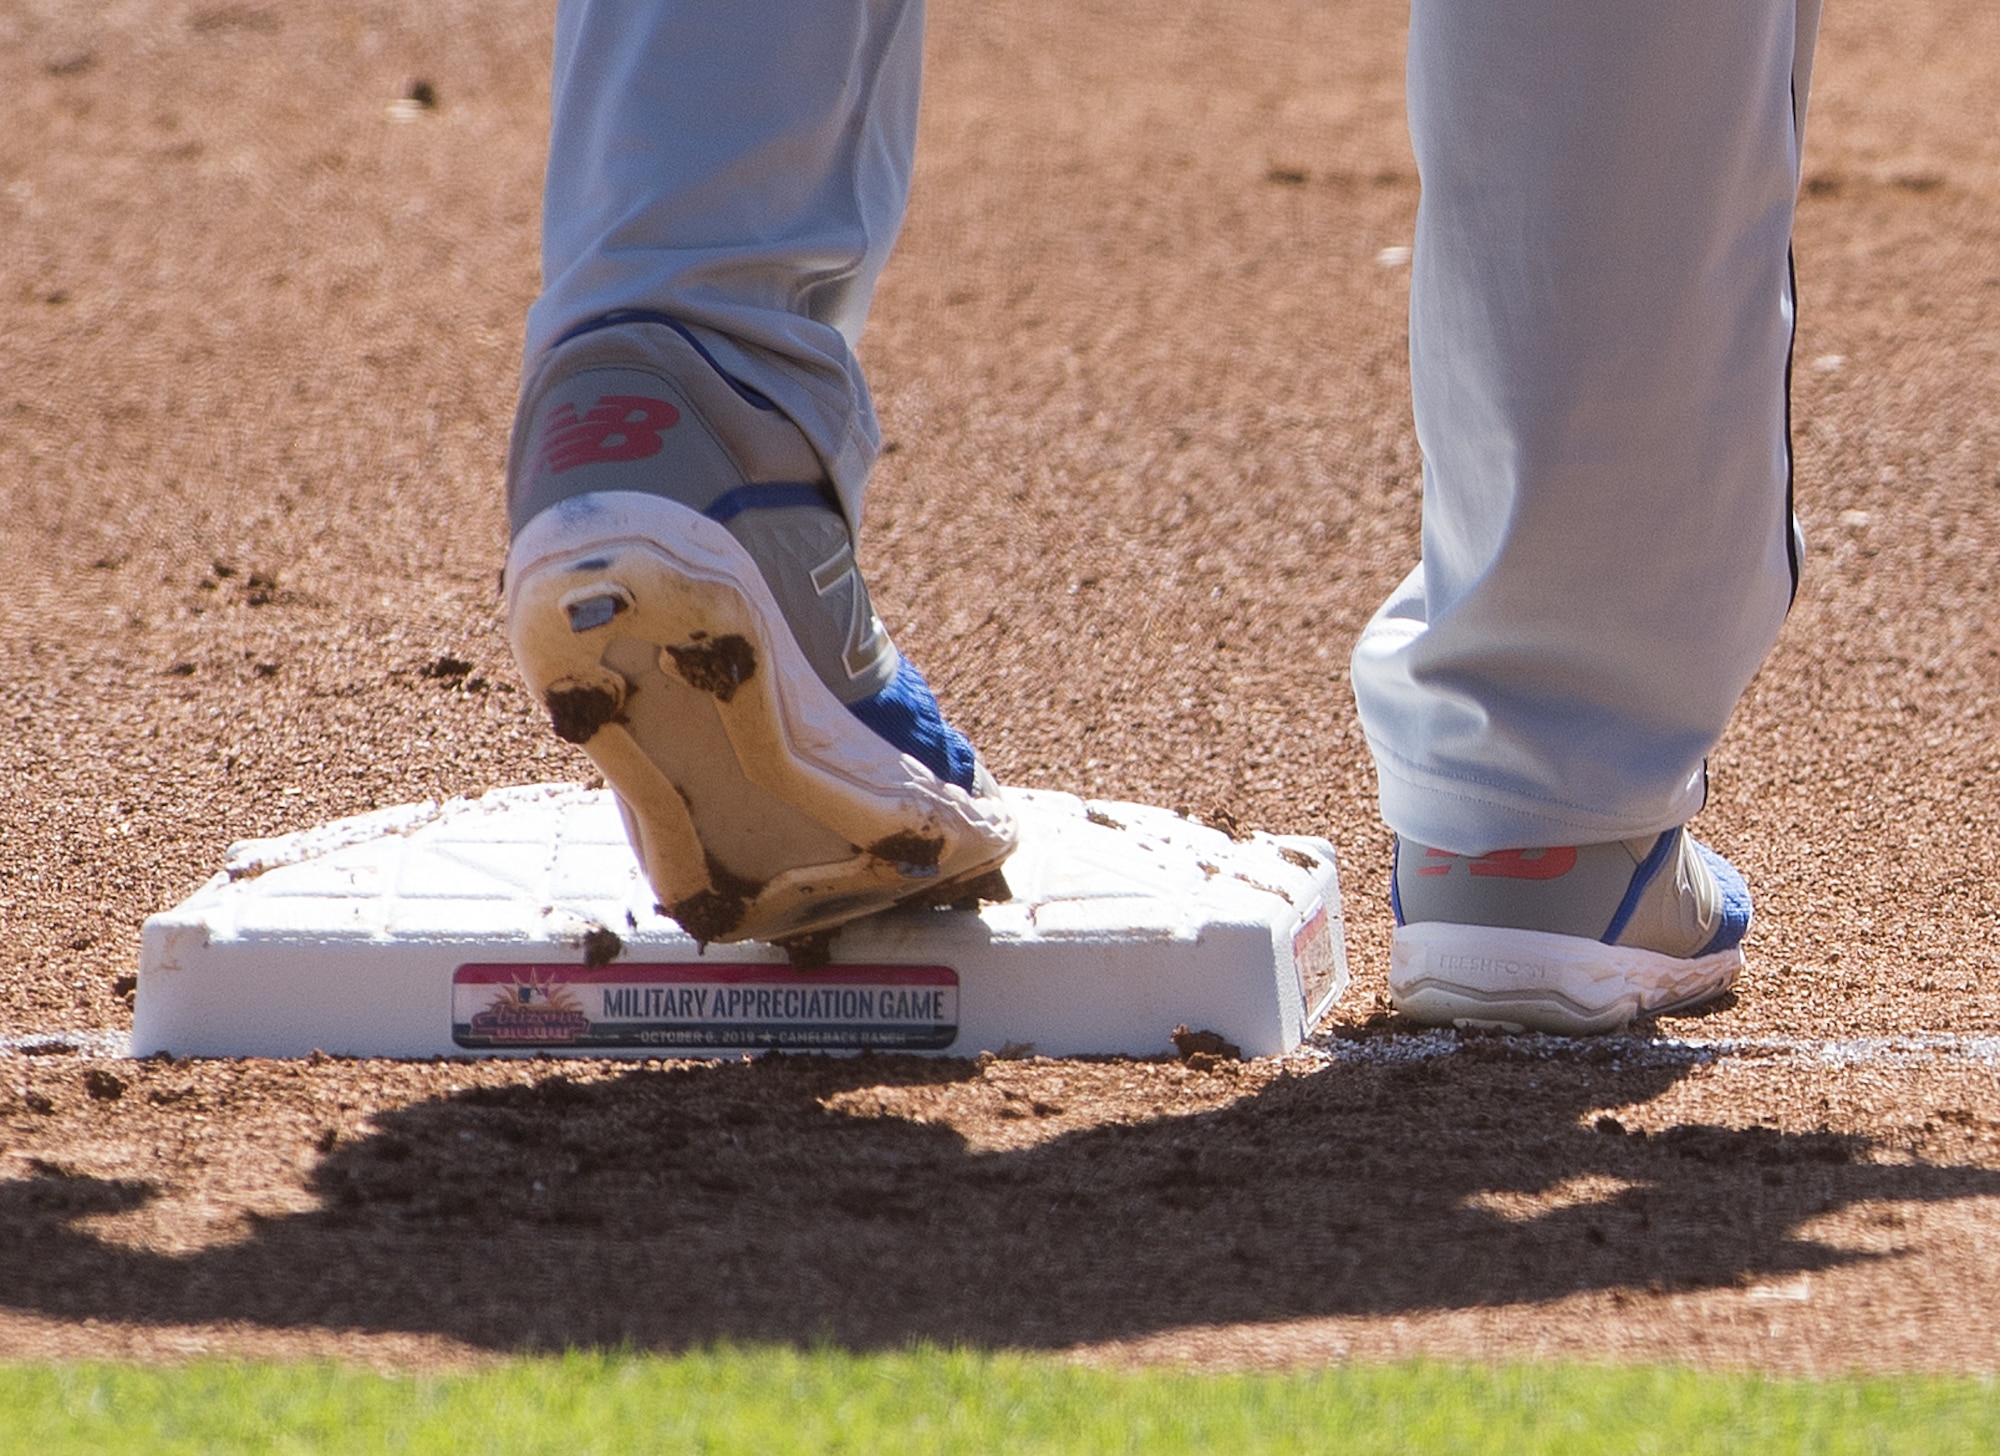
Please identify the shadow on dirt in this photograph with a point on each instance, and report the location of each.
(665, 1208)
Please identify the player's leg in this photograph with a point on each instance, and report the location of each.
(1601, 320)
(725, 181)
(742, 168)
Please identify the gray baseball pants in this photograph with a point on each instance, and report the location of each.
(1600, 337)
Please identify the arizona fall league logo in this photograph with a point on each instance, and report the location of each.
(617, 427)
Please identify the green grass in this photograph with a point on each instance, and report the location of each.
(771, 1402)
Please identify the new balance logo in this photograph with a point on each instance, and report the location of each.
(866, 641)
(617, 427)
(1505, 864)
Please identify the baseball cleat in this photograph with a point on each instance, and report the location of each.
(1573, 940)
(683, 598)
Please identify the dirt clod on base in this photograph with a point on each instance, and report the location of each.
(1224, 818)
(601, 946)
(1192, 1044)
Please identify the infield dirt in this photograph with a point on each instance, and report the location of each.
(1140, 361)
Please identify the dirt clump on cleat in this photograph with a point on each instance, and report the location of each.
(717, 667)
(578, 710)
(714, 913)
(989, 888)
(810, 951)
(914, 855)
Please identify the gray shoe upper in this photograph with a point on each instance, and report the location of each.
(636, 407)
(1655, 893)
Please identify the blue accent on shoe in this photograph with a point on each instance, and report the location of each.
(1662, 850)
(905, 716)
(1735, 901)
(767, 496)
(754, 397)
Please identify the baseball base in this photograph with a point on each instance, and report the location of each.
(518, 923)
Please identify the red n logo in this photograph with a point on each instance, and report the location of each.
(617, 427)
(1507, 864)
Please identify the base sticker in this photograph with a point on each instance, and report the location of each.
(668, 1005)
(1316, 957)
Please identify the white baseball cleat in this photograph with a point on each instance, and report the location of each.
(682, 596)
(1573, 940)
